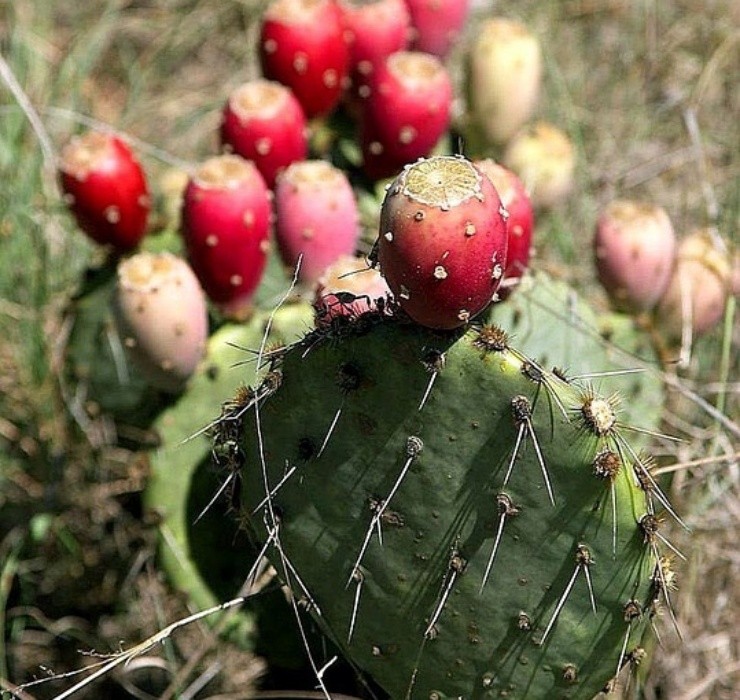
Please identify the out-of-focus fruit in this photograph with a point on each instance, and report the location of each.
(160, 312)
(437, 24)
(106, 189)
(635, 250)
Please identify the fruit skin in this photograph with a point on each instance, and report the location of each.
(162, 319)
(437, 24)
(443, 239)
(635, 250)
(316, 217)
(519, 224)
(263, 122)
(406, 113)
(106, 189)
(226, 223)
(504, 73)
(302, 45)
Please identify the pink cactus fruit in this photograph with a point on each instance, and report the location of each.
(264, 122)
(106, 190)
(635, 249)
(437, 24)
(374, 30)
(316, 217)
(349, 287)
(520, 223)
(161, 316)
(698, 289)
(406, 113)
(545, 160)
(442, 243)
(504, 75)
(226, 223)
(302, 45)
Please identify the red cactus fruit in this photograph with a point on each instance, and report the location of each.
(442, 244)
(504, 73)
(349, 287)
(106, 189)
(698, 289)
(544, 158)
(226, 222)
(520, 223)
(406, 113)
(316, 217)
(437, 24)
(160, 311)
(302, 45)
(635, 249)
(264, 122)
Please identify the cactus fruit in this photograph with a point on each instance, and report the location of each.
(498, 539)
(635, 248)
(161, 314)
(302, 45)
(406, 112)
(442, 243)
(437, 24)
(316, 217)
(504, 72)
(264, 122)
(106, 189)
(544, 158)
(520, 223)
(225, 223)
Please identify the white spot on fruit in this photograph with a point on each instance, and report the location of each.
(504, 212)
(112, 214)
(498, 272)
(300, 63)
(388, 236)
(330, 78)
(407, 135)
(212, 240)
(440, 273)
(517, 231)
(419, 216)
(364, 91)
(265, 246)
(376, 148)
(263, 146)
(364, 68)
(235, 280)
(270, 46)
(463, 315)
(130, 342)
(249, 218)
(404, 292)
(469, 228)
(307, 234)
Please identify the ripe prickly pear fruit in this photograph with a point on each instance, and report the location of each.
(349, 287)
(442, 243)
(226, 223)
(544, 158)
(316, 217)
(302, 45)
(504, 72)
(106, 189)
(635, 249)
(437, 24)
(160, 311)
(264, 122)
(520, 223)
(698, 289)
(406, 112)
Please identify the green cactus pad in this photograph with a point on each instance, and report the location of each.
(340, 441)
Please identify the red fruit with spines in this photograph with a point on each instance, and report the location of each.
(437, 24)
(106, 189)
(442, 243)
(520, 223)
(226, 223)
(316, 217)
(406, 113)
(264, 122)
(302, 45)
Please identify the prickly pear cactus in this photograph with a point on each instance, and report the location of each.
(462, 521)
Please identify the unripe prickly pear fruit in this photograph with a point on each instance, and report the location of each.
(106, 189)
(264, 122)
(545, 160)
(226, 223)
(316, 217)
(698, 289)
(504, 75)
(635, 249)
(437, 24)
(442, 243)
(302, 45)
(520, 223)
(406, 112)
(160, 311)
